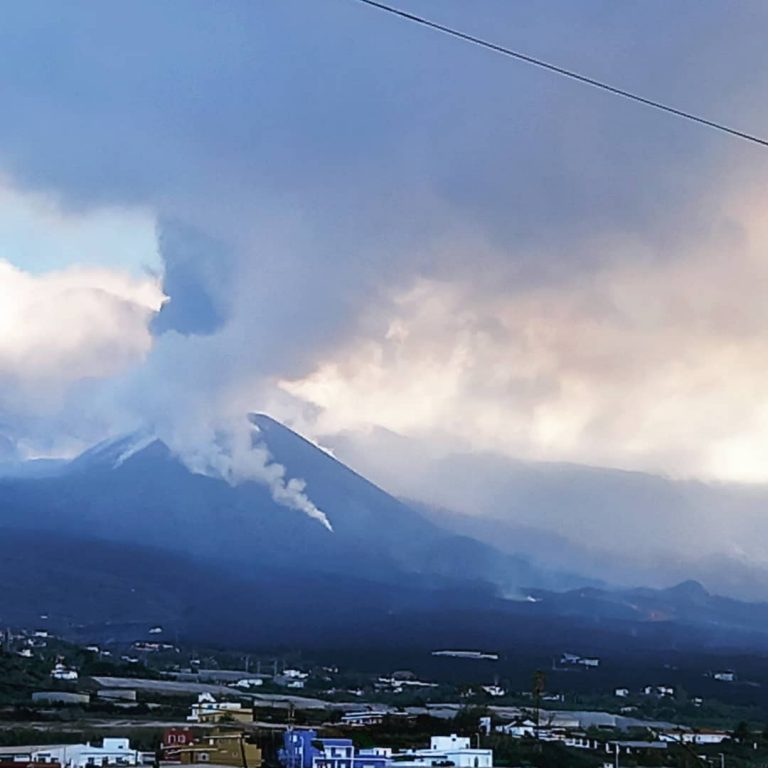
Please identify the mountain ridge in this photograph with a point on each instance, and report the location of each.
(385, 563)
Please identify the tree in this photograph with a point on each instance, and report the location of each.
(742, 733)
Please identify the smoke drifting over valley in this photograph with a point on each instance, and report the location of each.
(391, 233)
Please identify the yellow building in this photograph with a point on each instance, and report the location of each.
(242, 715)
(223, 748)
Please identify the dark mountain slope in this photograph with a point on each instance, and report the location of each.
(149, 497)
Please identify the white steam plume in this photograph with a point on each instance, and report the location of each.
(237, 455)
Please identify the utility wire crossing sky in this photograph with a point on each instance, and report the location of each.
(565, 72)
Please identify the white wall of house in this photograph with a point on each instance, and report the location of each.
(114, 751)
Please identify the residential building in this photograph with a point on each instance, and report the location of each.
(580, 741)
(635, 747)
(519, 728)
(453, 749)
(22, 757)
(295, 674)
(659, 690)
(26, 764)
(694, 737)
(218, 748)
(574, 659)
(112, 752)
(208, 710)
(176, 738)
(303, 749)
(291, 678)
(62, 672)
(397, 683)
(364, 717)
(150, 646)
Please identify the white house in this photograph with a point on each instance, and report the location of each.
(207, 707)
(725, 675)
(398, 683)
(295, 674)
(365, 717)
(584, 661)
(494, 690)
(447, 749)
(659, 690)
(694, 737)
(520, 728)
(621, 693)
(60, 672)
(580, 741)
(113, 751)
(291, 678)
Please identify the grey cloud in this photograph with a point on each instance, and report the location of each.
(341, 150)
(354, 124)
(197, 280)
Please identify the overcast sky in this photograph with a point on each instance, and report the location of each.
(317, 210)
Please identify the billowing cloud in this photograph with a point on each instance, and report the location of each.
(77, 323)
(651, 363)
(61, 329)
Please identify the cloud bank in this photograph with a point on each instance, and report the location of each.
(61, 329)
(651, 363)
(365, 225)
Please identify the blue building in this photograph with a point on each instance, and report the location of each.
(303, 749)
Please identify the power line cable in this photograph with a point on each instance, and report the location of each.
(562, 71)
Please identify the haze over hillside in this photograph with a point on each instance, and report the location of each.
(624, 527)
